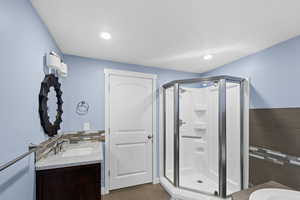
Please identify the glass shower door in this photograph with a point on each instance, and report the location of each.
(198, 137)
(233, 137)
(169, 134)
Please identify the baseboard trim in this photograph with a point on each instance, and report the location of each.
(156, 180)
(104, 191)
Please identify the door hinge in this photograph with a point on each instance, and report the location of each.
(108, 172)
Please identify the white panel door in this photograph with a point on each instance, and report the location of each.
(131, 122)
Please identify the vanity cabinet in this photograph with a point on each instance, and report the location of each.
(69, 183)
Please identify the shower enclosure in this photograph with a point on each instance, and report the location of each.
(205, 136)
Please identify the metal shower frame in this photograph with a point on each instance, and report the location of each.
(222, 80)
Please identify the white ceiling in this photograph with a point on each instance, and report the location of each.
(173, 34)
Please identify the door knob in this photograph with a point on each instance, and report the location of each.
(150, 137)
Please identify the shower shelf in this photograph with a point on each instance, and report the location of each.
(200, 108)
(192, 136)
(200, 126)
(201, 142)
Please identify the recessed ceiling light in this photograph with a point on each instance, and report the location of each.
(207, 57)
(105, 35)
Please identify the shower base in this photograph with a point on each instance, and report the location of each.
(183, 194)
(193, 186)
(192, 181)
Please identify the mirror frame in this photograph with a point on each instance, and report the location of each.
(50, 128)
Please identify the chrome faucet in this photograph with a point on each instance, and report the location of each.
(58, 146)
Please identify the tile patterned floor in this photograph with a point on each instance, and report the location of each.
(141, 192)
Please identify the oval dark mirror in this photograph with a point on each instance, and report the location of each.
(50, 105)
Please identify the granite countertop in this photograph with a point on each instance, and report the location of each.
(245, 194)
(82, 153)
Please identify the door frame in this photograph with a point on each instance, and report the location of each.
(153, 77)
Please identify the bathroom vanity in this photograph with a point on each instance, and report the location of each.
(71, 173)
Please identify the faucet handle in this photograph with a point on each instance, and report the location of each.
(60, 144)
(62, 141)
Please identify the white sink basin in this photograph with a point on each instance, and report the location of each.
(275, 194)
(77, 152)
(83, 153)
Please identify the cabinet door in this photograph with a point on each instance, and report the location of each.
(72, 183)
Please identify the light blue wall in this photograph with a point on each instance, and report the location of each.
(85, 81)
(23, 42)
(274, 74)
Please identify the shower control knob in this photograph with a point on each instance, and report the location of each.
(181, 122)
(150, 137)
